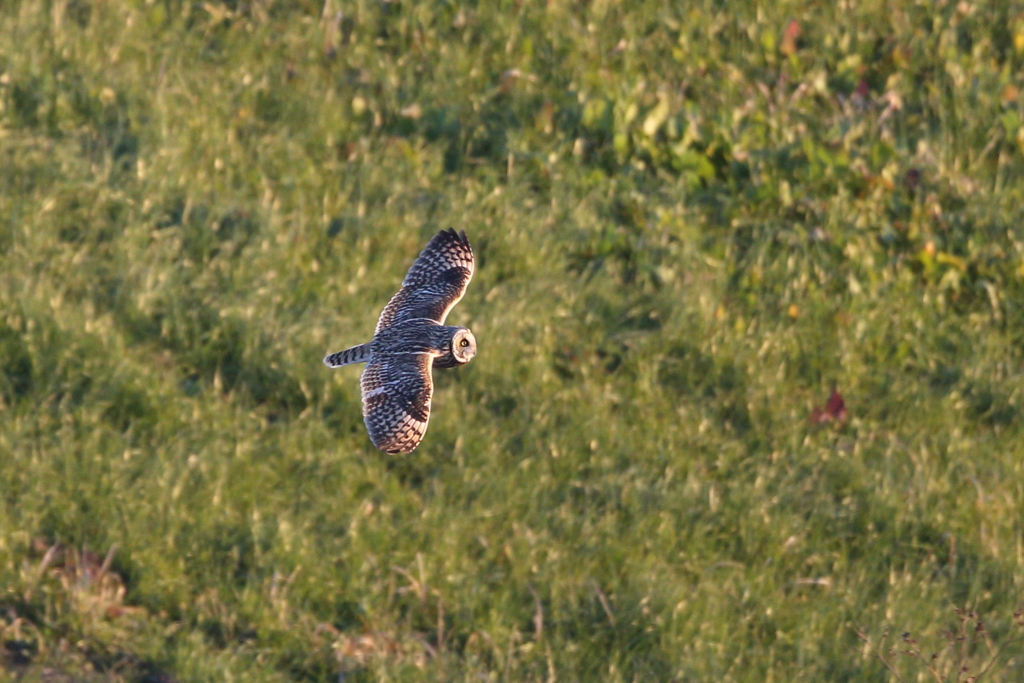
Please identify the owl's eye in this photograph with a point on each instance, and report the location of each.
(464, 343)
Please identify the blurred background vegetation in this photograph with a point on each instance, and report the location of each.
(693, 222)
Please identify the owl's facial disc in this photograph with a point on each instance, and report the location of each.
(463, 345)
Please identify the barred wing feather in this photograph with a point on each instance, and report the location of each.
(436, 281)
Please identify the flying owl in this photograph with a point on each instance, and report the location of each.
(410, 340)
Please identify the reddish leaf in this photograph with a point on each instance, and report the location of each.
(789, 39)
(834, 410)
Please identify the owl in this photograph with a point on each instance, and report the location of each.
(410, 340)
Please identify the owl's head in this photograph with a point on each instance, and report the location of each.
(463, 346)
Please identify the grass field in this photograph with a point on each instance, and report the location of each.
(692, 222)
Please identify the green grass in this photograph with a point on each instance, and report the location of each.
(691, 222)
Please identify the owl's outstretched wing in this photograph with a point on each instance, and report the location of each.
(396, 400)
(435, 282)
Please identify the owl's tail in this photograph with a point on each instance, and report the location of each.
(355, 354)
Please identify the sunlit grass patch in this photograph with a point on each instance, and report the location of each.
(694, 226)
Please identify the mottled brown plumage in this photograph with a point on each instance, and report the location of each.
(435, 282)
(410, 339)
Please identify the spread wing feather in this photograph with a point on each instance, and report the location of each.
(435, 282)
(396, 400)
